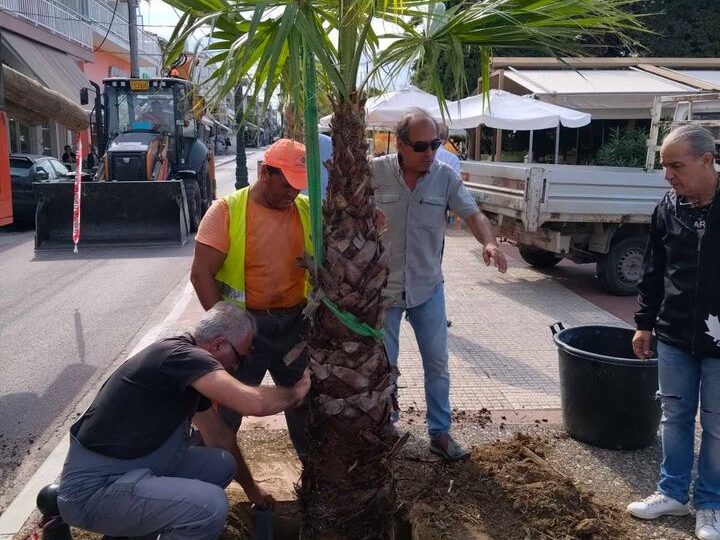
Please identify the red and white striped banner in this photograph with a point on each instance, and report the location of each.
(77, 193)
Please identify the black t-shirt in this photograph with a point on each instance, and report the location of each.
(693, 216)
(146, 399)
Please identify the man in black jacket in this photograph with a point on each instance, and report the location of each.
(680, 301)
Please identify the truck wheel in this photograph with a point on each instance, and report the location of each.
(194, 202)
(620, 270)
(538, 258)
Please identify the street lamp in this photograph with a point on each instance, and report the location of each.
(241, 172)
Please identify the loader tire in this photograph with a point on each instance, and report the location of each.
(194, 203)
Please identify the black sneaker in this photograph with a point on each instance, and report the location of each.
(445, 446)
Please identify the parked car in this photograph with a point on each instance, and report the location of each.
(26, 169)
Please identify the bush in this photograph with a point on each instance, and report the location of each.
(624, 148)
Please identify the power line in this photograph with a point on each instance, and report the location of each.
(109, 27)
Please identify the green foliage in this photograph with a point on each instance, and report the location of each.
(624, 148)
(262, 39)
(677, 28)
(682, 28)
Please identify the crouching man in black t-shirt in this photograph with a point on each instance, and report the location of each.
(131, 470)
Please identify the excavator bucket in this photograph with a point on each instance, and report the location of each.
(112, 214)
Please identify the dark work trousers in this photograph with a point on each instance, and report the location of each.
(278, 331)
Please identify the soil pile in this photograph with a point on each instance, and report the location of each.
(506, 490)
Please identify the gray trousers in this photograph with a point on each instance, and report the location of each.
(175, 491)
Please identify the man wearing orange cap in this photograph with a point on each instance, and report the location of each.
(246, 252)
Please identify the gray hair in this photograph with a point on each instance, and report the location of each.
(224, 319)
(699, 139)
(414, 114)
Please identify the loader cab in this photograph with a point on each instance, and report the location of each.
(139, 114)
(159, 105)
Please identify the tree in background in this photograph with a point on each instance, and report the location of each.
(347, 486)
(678, 28)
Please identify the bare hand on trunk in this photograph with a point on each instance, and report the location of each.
(301, 388)
(641, 342)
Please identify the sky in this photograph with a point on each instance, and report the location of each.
(160, 18)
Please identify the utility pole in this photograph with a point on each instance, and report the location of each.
(132, 35)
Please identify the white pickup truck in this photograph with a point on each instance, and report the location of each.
(584, 213)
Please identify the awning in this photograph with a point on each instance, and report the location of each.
(54, 69)
(605, 93)
(32, 103)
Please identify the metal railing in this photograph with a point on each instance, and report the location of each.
(101, 14)
(52, 17)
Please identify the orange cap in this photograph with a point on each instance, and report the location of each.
(289, 157)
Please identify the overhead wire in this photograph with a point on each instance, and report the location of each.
(109, 27)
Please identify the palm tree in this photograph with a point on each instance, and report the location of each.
(347, 487)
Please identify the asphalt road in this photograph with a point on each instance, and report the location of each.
(65, 320)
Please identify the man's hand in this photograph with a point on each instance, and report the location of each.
(641, 344)
(492, 254)
(300, 389)
(258, 496)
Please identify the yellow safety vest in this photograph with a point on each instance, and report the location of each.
(231, 276)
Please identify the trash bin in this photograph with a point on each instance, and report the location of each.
(607, 395)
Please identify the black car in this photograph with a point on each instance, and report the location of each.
(26, 169)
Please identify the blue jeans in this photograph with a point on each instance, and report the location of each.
(430, 326)
(683, 378)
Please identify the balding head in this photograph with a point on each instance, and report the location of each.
(417, 141)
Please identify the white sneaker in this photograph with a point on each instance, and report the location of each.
(657, 505)
(707, 524)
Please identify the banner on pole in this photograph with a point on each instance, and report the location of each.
(77, 192)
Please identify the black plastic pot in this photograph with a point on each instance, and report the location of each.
(607, 395)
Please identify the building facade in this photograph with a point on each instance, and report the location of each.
(63, 45)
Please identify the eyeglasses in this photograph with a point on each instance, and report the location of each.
(241, 360)
(422, 146)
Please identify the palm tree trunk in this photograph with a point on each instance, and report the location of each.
(347, 487)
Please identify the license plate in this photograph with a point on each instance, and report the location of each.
(137, 85)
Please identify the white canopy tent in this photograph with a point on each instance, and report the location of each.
(503, 110)
(386, 110)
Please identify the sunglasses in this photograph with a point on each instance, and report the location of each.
(422, 146)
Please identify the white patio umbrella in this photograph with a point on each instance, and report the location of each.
(503, 110)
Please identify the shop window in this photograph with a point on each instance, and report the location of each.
(19, 137)
(46, 139)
